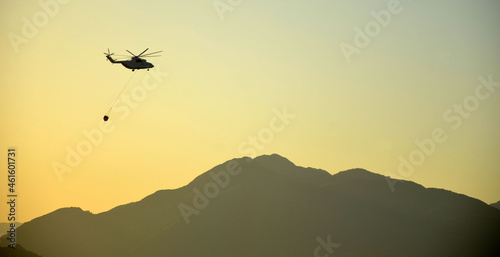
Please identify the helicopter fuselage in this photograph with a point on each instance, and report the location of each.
(134, 64)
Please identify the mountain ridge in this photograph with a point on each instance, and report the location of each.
(269, 206)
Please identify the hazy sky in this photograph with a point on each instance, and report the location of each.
(390, 86)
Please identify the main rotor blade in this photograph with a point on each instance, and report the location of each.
(152, 53)
(131, 53)
(151, 56)
(143, 52)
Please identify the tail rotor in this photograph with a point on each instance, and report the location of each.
(109, 53)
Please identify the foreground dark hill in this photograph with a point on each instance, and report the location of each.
(19, 251)
(270, 207)
(496, 205)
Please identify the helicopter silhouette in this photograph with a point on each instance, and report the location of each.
(136, 62)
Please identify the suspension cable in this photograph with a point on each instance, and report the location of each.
(106, 116)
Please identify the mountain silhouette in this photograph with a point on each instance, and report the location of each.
(267, 206)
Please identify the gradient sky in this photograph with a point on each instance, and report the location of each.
(228, 74)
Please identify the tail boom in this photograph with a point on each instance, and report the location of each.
(111, 59)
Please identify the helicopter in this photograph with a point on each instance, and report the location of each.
(136, 62)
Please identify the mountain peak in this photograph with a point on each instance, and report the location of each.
(280, 165)
(274, 160)
(358, 173)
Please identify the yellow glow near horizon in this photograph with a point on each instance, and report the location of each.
(225, 78)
